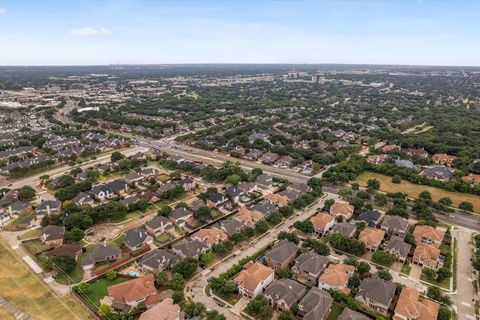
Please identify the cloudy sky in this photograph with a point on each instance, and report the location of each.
(108, 32)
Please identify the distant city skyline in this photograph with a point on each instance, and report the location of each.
(176, 32)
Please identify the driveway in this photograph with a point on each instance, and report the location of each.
(416, 271)
(463, 298)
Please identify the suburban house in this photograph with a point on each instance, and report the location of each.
(216, 200)
(158, 260)
(231, 226)
(264, 181)
(100, 253)
(422, 153)
(428, 234)
(165, 310)
(472, 179)
(136, 239)
(18, 208)
(269, 158)
(72, 249)
(237, 151)
(148, 173)
(322, 223)
(405, 164)
(264, 208)
(133, 178)
(372, 238)
(310, 265)
(390, 147)
(398, 248)
(411, 306)
(290, 194)
(48, 207)
(247, 187)
(158, 225)
(377, 158)
(376, 294)
(344, 228)
(441, 173)
(336, 277)
(443, 159)
(342, 209)
(209, 236)
(234, 193)
(109, 190)
(179, 216)
(277, 199)
(370, 218)
(130, 293)
(82, 199)
(427, 255)
(52, 235)
(349, 314)
(316, 304)
(253, 279)
(284, 293)
(190, 248)
(281, 255)
(395, 225)
(187, 184)
(248, 217)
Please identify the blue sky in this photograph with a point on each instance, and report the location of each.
(373, 32)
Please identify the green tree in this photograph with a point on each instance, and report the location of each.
(286, 315)
(105, 311)
(177, 283)
(74, 234)
(185, 267)
(111, 274)
(304, 226)
(164, 211)
(233, 179)
(194, 309)
(261, 226)
(362, 268)
(373, 184)
(65, 263)
(259, 308)
(425, 195)
(204, 214)
(444, 313)
(385, 275)
(26, 193)
(162, 279)
(446, 201)
(430, 274)
(383, 258)
(207, 258)
(466, 205)
(381, 199)
(284, 273)
(116, 156)
(178, 297)
(396, 179)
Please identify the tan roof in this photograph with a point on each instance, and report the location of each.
(472, 178)
(371, 237)
(165, 310)
(248, 216)
(252, 275)
(321, 220)
(274, 197)
(428, 252)
(428, 232)
(341, 208)
(336, 275)
(133, 290)
(210, 236)
(443, 157)
(410, 306)
(390, 147)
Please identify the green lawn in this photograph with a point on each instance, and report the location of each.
(99, 289)
(13, 226)
(164, 238)
(77, 275)
(406, 268)
(34, 247)
(335, 311)
(444, 284)
(118, 241)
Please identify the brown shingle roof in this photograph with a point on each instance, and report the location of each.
(410, 306)
(253, 275)
(133, 290)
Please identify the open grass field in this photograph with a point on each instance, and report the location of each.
(20, 287)
(413, 190)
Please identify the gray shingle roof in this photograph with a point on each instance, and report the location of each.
(285, 289)
(310, 262)
(377, 290)
(282, 251)
(349, 314)
(343, 228)
(159, 259)
(316, 304)
(398, 245)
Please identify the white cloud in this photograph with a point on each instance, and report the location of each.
(3, 11)
(90, 32)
